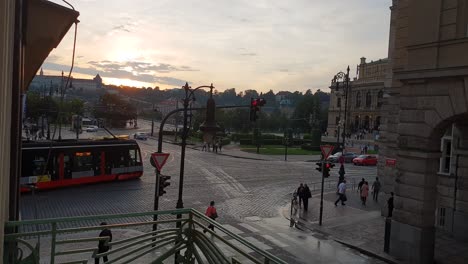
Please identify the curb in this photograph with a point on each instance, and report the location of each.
(305, 224)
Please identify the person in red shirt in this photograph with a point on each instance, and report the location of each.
(211, 213)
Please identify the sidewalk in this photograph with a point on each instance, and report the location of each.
(233, 150)
(354, 225)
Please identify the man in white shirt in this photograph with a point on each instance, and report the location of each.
(341, 193)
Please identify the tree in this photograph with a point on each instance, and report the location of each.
(114, 110)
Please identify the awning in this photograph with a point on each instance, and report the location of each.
(46, 25)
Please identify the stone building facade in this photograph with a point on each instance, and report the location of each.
(425, 126)
(51, 84)
(364, 100)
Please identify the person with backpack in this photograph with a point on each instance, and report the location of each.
(103, 245)
(211, 213)
(300, 194)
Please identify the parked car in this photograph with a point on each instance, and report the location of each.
(140, 135)
(92, 129)
(348, 156)
(365, 160)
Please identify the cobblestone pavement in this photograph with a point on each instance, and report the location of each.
(243, 188)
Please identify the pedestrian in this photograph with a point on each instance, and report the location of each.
(390, 205)
(215, 147)
(211, 213)
(204, 146)
(220, 145)
(341, 193)
(300, 194)
(376, 189)
(364, 192)
(307, 195)
(360, 185)
(103, 245)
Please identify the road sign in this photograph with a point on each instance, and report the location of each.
(390, 162)
(158, 160)
(326, 150)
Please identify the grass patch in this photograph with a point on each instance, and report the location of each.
(278, 150)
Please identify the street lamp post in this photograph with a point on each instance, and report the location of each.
(344, 78)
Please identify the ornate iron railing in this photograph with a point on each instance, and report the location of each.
(137, 238)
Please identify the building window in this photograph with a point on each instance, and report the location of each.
(338, 102)
(368, 99)
(446, 150)
(358, 99)
(441, 217)
(379, 99)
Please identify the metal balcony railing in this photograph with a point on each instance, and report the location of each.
(134, 240)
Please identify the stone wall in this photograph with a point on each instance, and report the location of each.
(6, 70)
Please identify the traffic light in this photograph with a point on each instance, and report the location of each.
(163, 183)
(326, 172)
(255, 104)
(319, 166)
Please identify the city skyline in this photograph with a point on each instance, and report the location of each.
(259, 45)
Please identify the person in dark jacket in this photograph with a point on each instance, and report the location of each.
(103, 245)
(307, 195)
(390, 205)
(300, 194)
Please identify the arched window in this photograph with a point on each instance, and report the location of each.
(338, 102)
(358, 99)
(379, 98)
(368, 99)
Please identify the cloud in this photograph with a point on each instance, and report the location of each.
(138, 66)
(248, 54)
(121, 28)
(140, 71)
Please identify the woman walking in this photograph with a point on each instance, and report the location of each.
(211, 213)
(364, 192)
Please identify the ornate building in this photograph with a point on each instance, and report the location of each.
(424, 138)
(51, 84)
(364, 100)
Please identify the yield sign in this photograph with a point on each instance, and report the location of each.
(326, 150)
(159, 159)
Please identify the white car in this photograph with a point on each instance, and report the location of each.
(92, 129)
(140, 135)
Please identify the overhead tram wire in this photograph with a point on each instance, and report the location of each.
(63, 91)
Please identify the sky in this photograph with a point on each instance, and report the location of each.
(280, 45)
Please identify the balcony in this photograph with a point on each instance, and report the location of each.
(152, 237)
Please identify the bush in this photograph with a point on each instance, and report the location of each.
(309, 146)
(225, 141)
(307, 136)
(246, 141)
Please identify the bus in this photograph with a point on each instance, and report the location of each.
(55, 164)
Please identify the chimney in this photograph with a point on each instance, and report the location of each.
(363, 60)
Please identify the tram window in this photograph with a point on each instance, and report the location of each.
(83, 161)
(34, 164)
(67, 167)
(134, 157)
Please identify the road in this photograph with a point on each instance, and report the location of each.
(248, 193)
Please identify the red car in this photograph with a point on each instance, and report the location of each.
(365, 160)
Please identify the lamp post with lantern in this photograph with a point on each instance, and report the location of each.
(340, 83)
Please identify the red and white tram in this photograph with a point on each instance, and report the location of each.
(54, 164)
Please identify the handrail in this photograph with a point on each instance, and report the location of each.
(138, 246)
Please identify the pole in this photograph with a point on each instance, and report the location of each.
(346, 107)
(180, 204)
(286, 151)
(321, 194)
(152, 121)
(156, 200)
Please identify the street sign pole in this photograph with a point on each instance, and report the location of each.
(156, 198)
(326, 151)
(321, 193)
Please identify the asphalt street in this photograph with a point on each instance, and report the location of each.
(248, 193)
